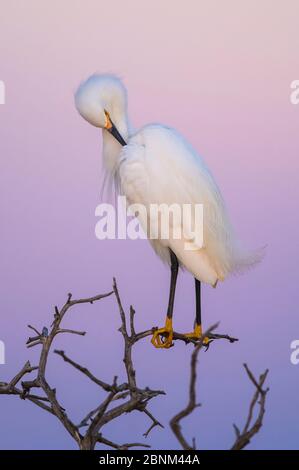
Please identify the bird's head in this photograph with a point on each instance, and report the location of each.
(101, 100)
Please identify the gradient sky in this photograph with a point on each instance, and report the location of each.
(219, 72)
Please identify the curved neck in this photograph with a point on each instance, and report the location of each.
(111, 147)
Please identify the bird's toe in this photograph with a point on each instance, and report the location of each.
(162, 338)
(197, 335)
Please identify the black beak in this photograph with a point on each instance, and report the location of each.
(113, 131)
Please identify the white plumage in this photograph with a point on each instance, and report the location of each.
(158, 166)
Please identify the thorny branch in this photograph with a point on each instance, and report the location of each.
(192, 404)
(121, 398)
(133, 398)
(251, 426)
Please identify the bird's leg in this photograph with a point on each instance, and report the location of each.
(197, 333)
(162, 337)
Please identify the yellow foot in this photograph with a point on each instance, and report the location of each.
(162, 338)
(197, 334)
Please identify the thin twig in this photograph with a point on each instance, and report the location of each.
(84, 371)
(192, 404)
(155, 423)
(109, 443)
(137, 399)
(74, 332)
(34, 329)
(252, 426)
(121, 399)
(25, 370)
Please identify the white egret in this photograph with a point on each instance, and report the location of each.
(156, 165)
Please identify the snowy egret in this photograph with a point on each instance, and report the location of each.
(156, 165)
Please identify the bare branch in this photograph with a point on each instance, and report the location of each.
(37, 397)
(74, 332)
(121, 310)
(182, 337)
(137, 399)
(84, 370)
(87, 419)
(128, 340)
(25, 370)
(95, 425)
(251, 426)
(155, 423)
(35, 343)
(132, 397)
(29, 384)
(120, 399)
(35, 330)
(6, 389)
(132, 315)
(109, 443)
